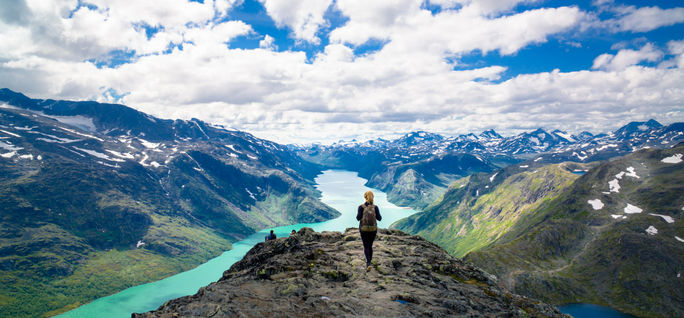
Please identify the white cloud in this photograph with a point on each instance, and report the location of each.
(646, 18)
(411, 29)
(677, 48)
(407, 84)
(626, 57)
(268, 43)
(304, 17)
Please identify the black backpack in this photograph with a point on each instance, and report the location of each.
(368, 222)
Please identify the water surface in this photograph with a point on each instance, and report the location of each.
(342, 190)
(592, 311)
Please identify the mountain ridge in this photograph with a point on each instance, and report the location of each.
(315, 274)
(85, 202)
(608, 237)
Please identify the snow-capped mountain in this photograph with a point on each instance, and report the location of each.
(559, 145)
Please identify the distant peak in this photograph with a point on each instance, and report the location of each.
(490, 134)
(653, 123)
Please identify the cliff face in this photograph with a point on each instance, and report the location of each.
(315, 274)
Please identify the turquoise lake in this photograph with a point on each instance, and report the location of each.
(342, 190)
(592, 311)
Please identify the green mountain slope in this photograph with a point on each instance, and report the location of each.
(597, 243)
(477, 210)
(95, 198)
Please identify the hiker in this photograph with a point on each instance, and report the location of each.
(368, 214)
(270, 236)
(293, 232)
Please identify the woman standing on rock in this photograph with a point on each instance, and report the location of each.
(368, 214)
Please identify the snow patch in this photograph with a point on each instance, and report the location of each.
(18, 136)
(524, 166)
(631, 173)
(78, 121)
(252, 157)
(616, 216)
(674, 159)
(491, 179)
(142, 161)
(121, 155)
(56, 139)
(579, 157)
(9, 154)
(155, 164)
(631, 209)
(251, 195)
(679, 239)
(614, 186)
(140, 243)
(619, 175)
(651, 230)
(147, 144)
(667, 218)
(9, 146)
(29, 156)
(596, 204)
(97, 154)
(232, 147)
(81, 134)
(540, 158)
(7, 106)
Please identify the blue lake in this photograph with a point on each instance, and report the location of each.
(342, 190)
(592, 311)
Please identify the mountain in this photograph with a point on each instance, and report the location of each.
(377, 160)
(612, 236)
(323, 275)
(480, 208)
(92, 192)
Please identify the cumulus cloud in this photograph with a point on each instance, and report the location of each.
(182, 66)
(626, 57)
(268, 43)
(646, 18)
(304, 17)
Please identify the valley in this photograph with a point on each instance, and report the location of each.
(98, 198)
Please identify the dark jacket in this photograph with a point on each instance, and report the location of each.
(359, 212)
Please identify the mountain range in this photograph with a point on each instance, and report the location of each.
(417, 168)
(92, 192)
(612, 236)
(99, 197)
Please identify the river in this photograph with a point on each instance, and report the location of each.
(342, 190)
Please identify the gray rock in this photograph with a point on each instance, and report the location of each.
(315, 274)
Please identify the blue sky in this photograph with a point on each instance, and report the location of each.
(325, 70)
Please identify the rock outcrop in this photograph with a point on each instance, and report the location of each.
(313, 274)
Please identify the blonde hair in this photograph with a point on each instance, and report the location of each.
(369, 196)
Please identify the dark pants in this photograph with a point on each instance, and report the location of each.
(368, 238)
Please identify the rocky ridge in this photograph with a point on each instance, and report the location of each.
(313, 274)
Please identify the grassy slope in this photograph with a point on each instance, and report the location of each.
(476, 211)
(568, 252)
(68, 232)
